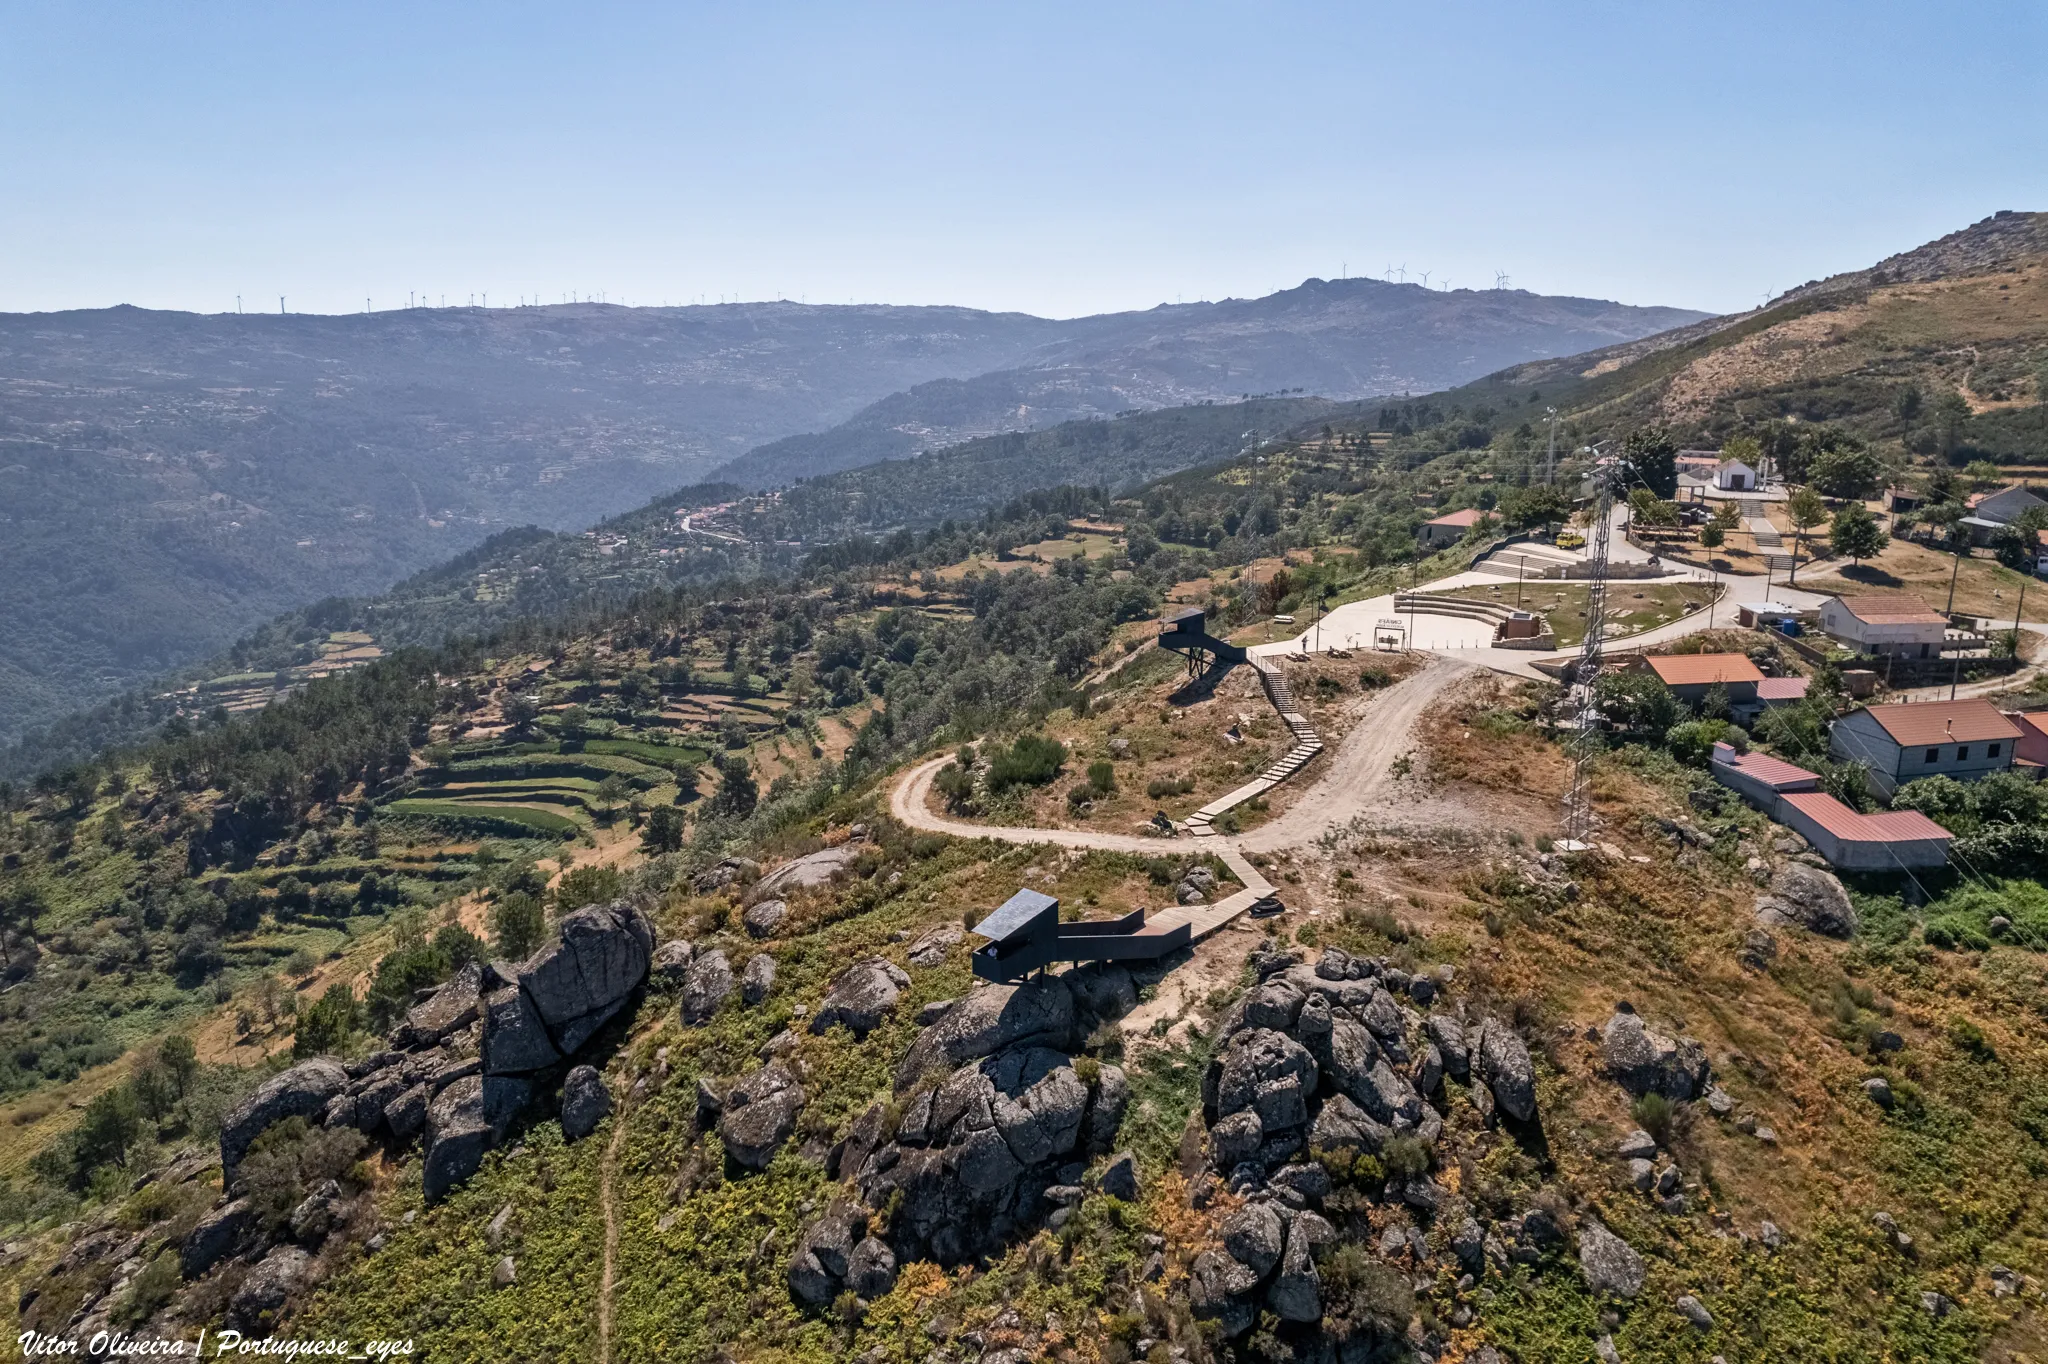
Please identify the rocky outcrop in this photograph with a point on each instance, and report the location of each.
(706, 987)
(452, 1006)
(585, 1102)
(763, 920)
(263, 1293)
(1611, 1266)
(672, 962)
(760, 1113)
(1501, 1062)
(804, 873)
(1809, 898)
(515, 1038)
(992, 1019)
(304, 1091)
(1644, 1061)
(578, 982)
(757, 980)
(220, 1233)
(466, 1119)
(861, 997)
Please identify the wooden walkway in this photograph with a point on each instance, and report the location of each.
(1307, 743)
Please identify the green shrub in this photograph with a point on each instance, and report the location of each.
(1102, 776)
(1033, 760)
(1693, 742)
(1372, 677)
(1364, 1299)
(1405, 1157)
(325, 1027)
(1654, 1114)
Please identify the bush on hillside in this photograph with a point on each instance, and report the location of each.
(1033, 760)
(1693, 741)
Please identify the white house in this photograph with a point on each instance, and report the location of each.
(1448, 529)
(1880, 623)
(1733, 476)
(1895, 744)
(2003, 507)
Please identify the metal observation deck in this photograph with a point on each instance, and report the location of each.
(1025, 934)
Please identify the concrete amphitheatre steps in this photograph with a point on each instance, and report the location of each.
(1307, 743)
(1529, 562)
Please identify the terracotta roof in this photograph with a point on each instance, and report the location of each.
(1943, 722)
(1775, 773)
(2030, 719)
(1782, 688)
(1466, 518)
(1896, 826)
(1691, 670)
(1892, 608)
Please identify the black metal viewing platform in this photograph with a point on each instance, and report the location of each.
(1186, 633)
(1026, 934)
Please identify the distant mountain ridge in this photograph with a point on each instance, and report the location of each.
(1338, 339)
(169, 480)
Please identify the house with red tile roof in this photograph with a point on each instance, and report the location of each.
(1449, 528)
(1758, 778)
(1895, 744)
(1896, 840)
(1878, 623)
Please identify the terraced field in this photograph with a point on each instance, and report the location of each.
(549, 788)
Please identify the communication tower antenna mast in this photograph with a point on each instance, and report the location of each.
(1550, 460)
(1578, 801)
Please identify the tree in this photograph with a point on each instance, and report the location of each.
(663, 831)
(1807, 511)
(738, 793)
(1711, 535)
(518, 922)
(180, 1060)
(325, 1027)
(1653, 455)
(1983, 475)
(520, 712)
(610, 792)
(1844, 469)
(587, 886)
(1635, 702)
(1855, 534)
(1745, 449)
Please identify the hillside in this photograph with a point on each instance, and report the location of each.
(1337, 339)
(1935, 352)
(767, 1113)
(171, 480)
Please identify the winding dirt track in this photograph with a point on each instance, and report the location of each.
(1356, 783)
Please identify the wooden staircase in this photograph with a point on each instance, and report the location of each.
(1307, 743)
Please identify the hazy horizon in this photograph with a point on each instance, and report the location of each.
(1061, 161)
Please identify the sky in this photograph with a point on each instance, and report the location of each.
(1052, 158)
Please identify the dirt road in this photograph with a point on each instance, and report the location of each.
(1357, 782)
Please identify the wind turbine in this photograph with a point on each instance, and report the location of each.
(1425, 277)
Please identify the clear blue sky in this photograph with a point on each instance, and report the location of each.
(1051, 157)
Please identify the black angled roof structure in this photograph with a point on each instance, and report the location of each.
(1025, 934)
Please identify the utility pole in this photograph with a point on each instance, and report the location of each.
(1550, 460)
(1952, 585)
(1578, 804)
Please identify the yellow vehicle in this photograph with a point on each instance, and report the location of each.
(1570, 539)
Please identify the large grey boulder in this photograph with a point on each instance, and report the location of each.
(706, 987)
(585, 1102)
(452, 1006)
(219, 1234)
(1386, 1095)
(1345, 1053)
(263, 1293)
(599, 957)
(515, 1037)
(1501, 1062)
(1611, 1266)
(406, 1115)
(1254, 1063)
(1037, 1103)
(1809, 898)
(1103, 990)
(861, 997)
(465, 1120)
(1342, 1125)
(1255, 1236)
(1296, 1293)
(760, 1113)
(764, 919)
(1644, 1061)
(871, 1269)
(757, 980)
(1106, 1109)
(304, 1091)
(1448, 1035)
(672, 961)
(989, 1020)
(1216, 1283)
(804, 873)
(1237, 1138)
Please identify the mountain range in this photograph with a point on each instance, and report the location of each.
(168, 480)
